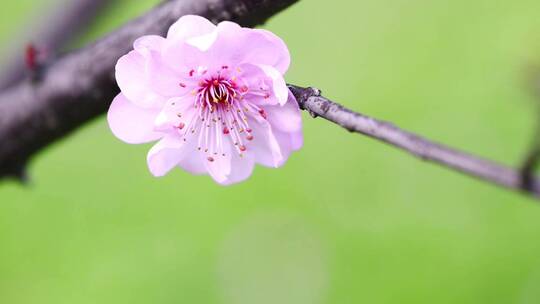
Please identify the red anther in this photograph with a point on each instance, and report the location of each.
(181, 125)
(215, 82)
(225, 67)
(242, 148)
(226, 131)
(183, 85)
(244, 89)
(249, 130)
(263, 113)
(31, 54)
(210, 159)
(266, 96)
(249, 137)
(191, 73)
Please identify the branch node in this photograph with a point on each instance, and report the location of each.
(302, 95)
(312, 91)
(35, 58)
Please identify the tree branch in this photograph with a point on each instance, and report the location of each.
(53, 33)
(311, 100)
(80, 85)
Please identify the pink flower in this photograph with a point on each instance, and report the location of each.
(214, 97)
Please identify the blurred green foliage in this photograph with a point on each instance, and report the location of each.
(347, 220)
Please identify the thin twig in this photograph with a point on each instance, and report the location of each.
(529, 165)
(532, 158)
(311, 100)
(53, 33)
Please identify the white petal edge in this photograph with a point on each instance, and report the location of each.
(167, 154)
(131, 123)
(190, 26)
(286, 118)
(278, 83)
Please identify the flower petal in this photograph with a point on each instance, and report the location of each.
(190, 26)
(286, 118)
(192, 30)
(261, 80)
(144, 77)
(183, 58)
(264, 146)
(279, 87)
(280, 58)
(218, 166)
(289, 142)
(176, 113)
(147, 44)
(130, 122)
(193, 164)
(235, 45)
(132, 80)
(241, 168)
(167, 153)
(163, 79)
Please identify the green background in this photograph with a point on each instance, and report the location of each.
(347, 220)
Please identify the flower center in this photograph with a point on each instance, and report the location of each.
(223, 108)
(216, 90)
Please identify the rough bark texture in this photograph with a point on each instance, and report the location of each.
(53, 33)
(310, 99)
(80, 85)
